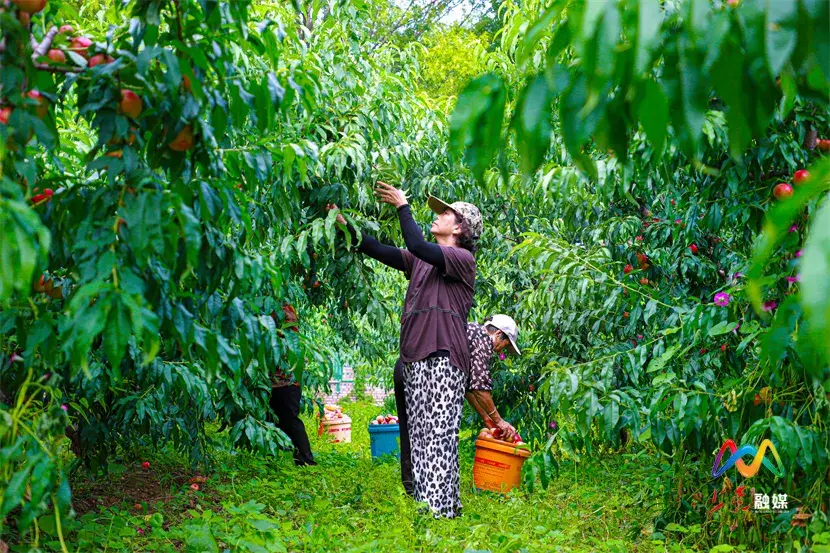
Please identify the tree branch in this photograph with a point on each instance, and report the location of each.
(41, 49)
(55, 69)
(429, 12)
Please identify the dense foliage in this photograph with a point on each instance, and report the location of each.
(682, 118)
(624, 155)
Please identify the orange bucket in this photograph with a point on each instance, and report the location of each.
(498, 465)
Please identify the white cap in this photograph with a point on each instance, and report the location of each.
(508, 326)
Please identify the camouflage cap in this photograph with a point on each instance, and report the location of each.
(467, 211)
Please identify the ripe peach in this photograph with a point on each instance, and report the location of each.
(130, 104)
(183, 141)
(100, 59)
(30, 6)
(80, 45)
(56, 55)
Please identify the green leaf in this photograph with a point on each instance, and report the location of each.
(696, 19)
(658, 363)
(668, 376)
(776, 224)
(815, 278)
(779, 338)
(649, 19)
(780, 30)
(476, 122)
(653, 113)
(331, 235)
(611, 414)
(722, 328)
(263, 525)
(651, 309)
(575, 131)
(532, 123)
(116, 335)
(591, 16)
(729, 82)
(540, 28)
(16, 487)
(695, 99)
(173, 74)
(200, 539)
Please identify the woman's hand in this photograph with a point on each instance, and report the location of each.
(390, 195)
(340, 218)
(507, 430)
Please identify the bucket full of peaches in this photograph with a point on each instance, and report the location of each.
(336, 424)
(384, 436)
(498, 463)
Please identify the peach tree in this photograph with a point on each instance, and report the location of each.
(663, 185)
(148, 241)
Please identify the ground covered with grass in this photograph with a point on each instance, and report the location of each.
(351, 503)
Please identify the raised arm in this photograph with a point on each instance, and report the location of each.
(388, 255)
(416, 244)
(415, 241)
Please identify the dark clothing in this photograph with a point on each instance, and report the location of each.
(388, 255)
(481, 355)
(439, 296)
(285, 402)
(413, 238)
(417, 245)
(403, 423)
(436, 307)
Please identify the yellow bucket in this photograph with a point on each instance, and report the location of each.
(498, 465)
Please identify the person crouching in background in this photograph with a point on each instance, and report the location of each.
(496, 335)
(286, 395)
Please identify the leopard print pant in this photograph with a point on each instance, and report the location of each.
(434, 391)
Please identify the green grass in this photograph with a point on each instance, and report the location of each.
(350, 503)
